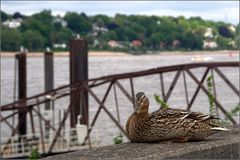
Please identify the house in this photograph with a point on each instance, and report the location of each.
(208, 33)
(232, 44)
(176, 44)
(96, 42)
(232, 28)
(15, 23)
(209, 44)
(60, 45)
(136, 43)
(96, 30)
(114, 44)
(60, 20)
(162, 45)
(99, 29)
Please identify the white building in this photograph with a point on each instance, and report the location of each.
(232, 28)
(208, 33)
(209, 44)
(15, 23)
(61, 21)
(63, 45)
(99, 29)
(232, 43)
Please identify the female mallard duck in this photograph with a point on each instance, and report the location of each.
(168, 124)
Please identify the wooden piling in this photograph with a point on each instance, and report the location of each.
(22, 90)
(48, 81)
(79, 71)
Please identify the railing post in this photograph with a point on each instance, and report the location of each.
(22, 90)
(48, 81)
(78, 72)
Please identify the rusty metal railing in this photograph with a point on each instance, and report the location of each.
(32, 105)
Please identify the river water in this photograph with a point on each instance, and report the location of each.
(105, 129)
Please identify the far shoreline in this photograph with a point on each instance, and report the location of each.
(111, 53)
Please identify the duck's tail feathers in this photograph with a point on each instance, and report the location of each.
(220, 129)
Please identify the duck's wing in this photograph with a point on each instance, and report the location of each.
(182, 114)
(170, 113)
(201, 116)
(127, 124)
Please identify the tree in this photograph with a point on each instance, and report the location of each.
(200, 30)
(40, 27)
(10, 39)
(223, 42)
(42, 23)
(57, 26)
(17, 15)
(78, 23)
(131, 34)
(111, 35)
(237, 39)
(120, 19)
(100, 22)
(103, 18)
(62, 36)
(152, 31)
(112, 26)
(44, 16)
(156, 38)
(33, 40)
(4, 16)
(224, 31)
(238, 29)
(192, 41)
(120, 34)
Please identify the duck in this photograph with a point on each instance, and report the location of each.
(168, 124)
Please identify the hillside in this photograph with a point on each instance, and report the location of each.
(118, 33)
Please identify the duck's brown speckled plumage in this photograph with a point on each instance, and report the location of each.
(167, 124)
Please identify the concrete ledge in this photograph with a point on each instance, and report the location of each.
(224, 145)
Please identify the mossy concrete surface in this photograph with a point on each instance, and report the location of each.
(223, 145)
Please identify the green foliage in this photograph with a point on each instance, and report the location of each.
(223, 43)
(155, 32)
(160, 101)
(192, 41)
(120, 34)
(212, 106)
(34, 154)
(4, 16)
(102, 20)
(40, 23)
(118, 139)
(44, 16)
(225, 32)
(78, 23)
(10, 39)
(235, 110)
(155, 39)
(211, 98)
(111, 35)
(232, 113)
(61, 36)
(33, 40)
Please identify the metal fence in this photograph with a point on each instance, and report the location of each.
(32, 105)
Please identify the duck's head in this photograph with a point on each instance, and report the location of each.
(142, 103)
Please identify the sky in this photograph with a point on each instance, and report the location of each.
(227, 11)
